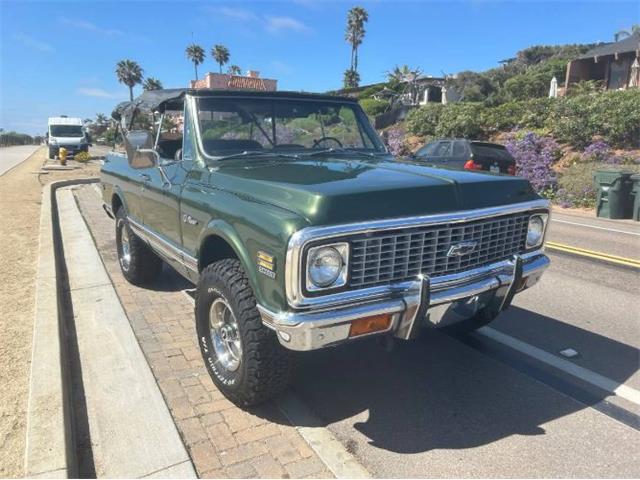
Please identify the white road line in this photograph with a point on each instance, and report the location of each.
(583, 374)
(595, 226)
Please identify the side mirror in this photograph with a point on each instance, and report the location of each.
(145, 158)
(136, 140)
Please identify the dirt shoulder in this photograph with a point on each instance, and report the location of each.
(20, 198)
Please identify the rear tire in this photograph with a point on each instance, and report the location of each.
(138, 263)
(243, 357)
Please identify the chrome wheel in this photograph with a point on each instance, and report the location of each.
(225, 336)
(125, 248)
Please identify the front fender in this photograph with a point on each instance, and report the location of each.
(116, 191)
(221, 229)
(247, 238)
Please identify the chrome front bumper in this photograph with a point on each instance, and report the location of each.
(410, 304)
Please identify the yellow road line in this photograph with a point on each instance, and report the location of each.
(630, 262)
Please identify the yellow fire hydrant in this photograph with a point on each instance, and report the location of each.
(62, 155)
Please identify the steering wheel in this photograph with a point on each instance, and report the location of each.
(316, 143)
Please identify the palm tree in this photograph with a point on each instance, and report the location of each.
(234, 70)
(635, 29)
(101, 118)
(196, 54)
(356, 18)
(351, 79)
(129, 73)
(407, 78)
(152, 84)
(220, 54)
(403, 74)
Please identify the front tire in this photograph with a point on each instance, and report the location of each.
(138, 263)
(243, 357)
(52, 154)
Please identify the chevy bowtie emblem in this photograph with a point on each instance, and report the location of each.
(462, 248)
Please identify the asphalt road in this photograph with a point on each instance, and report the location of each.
(468, 405)
(11, 156)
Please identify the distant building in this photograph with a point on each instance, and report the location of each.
(425, 89)
(225, 81)
(615, 64)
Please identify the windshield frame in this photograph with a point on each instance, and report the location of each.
(364, 125)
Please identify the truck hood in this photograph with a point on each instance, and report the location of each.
(341, 190)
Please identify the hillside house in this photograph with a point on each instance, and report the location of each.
(616, 64)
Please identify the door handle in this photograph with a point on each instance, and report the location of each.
(144, 176)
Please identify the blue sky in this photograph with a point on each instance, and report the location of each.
(59, 57)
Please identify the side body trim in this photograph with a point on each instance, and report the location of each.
(163, 247)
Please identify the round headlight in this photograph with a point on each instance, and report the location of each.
(325, 265)
(535, 231)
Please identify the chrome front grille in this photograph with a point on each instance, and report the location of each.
(392, 256)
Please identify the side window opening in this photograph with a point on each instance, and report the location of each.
(171, 125)
(459, 149)
(444, 149)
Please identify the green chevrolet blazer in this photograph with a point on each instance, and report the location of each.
(301, 231)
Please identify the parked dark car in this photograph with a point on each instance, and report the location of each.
(464, 154)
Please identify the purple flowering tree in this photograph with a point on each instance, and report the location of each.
(600, 152)
(395, 141)
(535, 156)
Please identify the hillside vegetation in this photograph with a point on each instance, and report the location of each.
(558, 142)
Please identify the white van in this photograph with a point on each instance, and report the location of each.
(69, 133)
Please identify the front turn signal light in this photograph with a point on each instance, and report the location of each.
(363, 326)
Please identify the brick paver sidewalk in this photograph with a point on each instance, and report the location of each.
(223, 440)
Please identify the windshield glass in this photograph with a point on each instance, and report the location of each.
(229, 126)
(66, 131)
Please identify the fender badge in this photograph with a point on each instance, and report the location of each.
(266, 264)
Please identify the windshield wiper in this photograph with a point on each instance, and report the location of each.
(258, 153)
(329, 151)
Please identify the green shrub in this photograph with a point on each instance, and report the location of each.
(423, 121)
(576, 187)
(614, 116)
(503, 117)
(370, 91)
(535, 113)
(82, 157)
(536, 80)
(374, 107)
(463, 119)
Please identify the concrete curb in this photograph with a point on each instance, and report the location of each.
(332, 453)
(132, 432)
(49, 450)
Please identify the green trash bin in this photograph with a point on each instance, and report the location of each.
(614, 193)
(635, 190)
